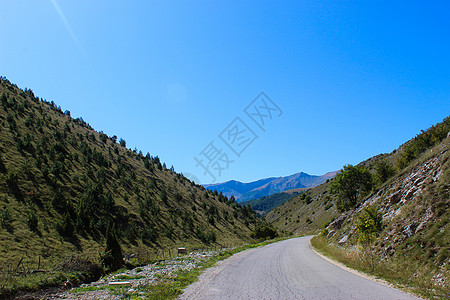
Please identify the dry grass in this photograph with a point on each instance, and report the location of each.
(404, 272)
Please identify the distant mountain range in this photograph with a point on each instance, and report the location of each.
(268, 186)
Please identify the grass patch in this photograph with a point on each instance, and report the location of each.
(404, 272)
(128, 277)
(31, 282)
(84, 289)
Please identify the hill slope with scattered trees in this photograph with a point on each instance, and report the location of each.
(67, 190)
(389, 215)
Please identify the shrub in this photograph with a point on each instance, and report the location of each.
(132, 232)
(369, 224)
(149, 235)
(264, 232)
(103, 137)
(65, 227)
(383, 171)
(112, 259)
(169, 230)
(78, 264)
(423, 141)
(2, 165)
(308, 199)
(207, 238)
(6, 219)
(32, 221)
(13, 184)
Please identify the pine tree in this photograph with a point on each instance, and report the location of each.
(112, 258)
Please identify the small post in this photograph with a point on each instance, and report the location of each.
(39, 263)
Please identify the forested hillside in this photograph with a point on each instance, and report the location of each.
(266, 203)
(68, 190)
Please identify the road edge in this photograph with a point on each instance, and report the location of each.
(362, 274)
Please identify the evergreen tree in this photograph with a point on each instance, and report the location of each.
(122, 143)
(112, 258)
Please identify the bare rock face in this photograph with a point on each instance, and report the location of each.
(337, 224)
(436, 175)
(424, 220)
(343, 239)
(331, 233)
(390, 250)
(420, 226)
(395, 198)
(409, 230)
(410, 193)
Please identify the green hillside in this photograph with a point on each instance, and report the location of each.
(67, 190)
(305, 213)
(396, 224)
(306, 217)
(266, 203)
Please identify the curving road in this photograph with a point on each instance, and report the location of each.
(285, 270)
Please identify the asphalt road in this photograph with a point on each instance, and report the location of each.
(285, 270)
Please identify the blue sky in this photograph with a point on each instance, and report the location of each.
(352, 78)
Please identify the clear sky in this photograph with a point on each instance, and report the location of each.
(346, 79)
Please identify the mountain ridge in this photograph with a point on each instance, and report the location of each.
(268, 186)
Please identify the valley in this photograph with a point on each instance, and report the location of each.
(224, 150)
(75, 202)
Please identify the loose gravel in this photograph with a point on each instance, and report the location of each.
(130, 280)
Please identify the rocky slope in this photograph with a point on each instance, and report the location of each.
(415, 215)
(406, 214)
